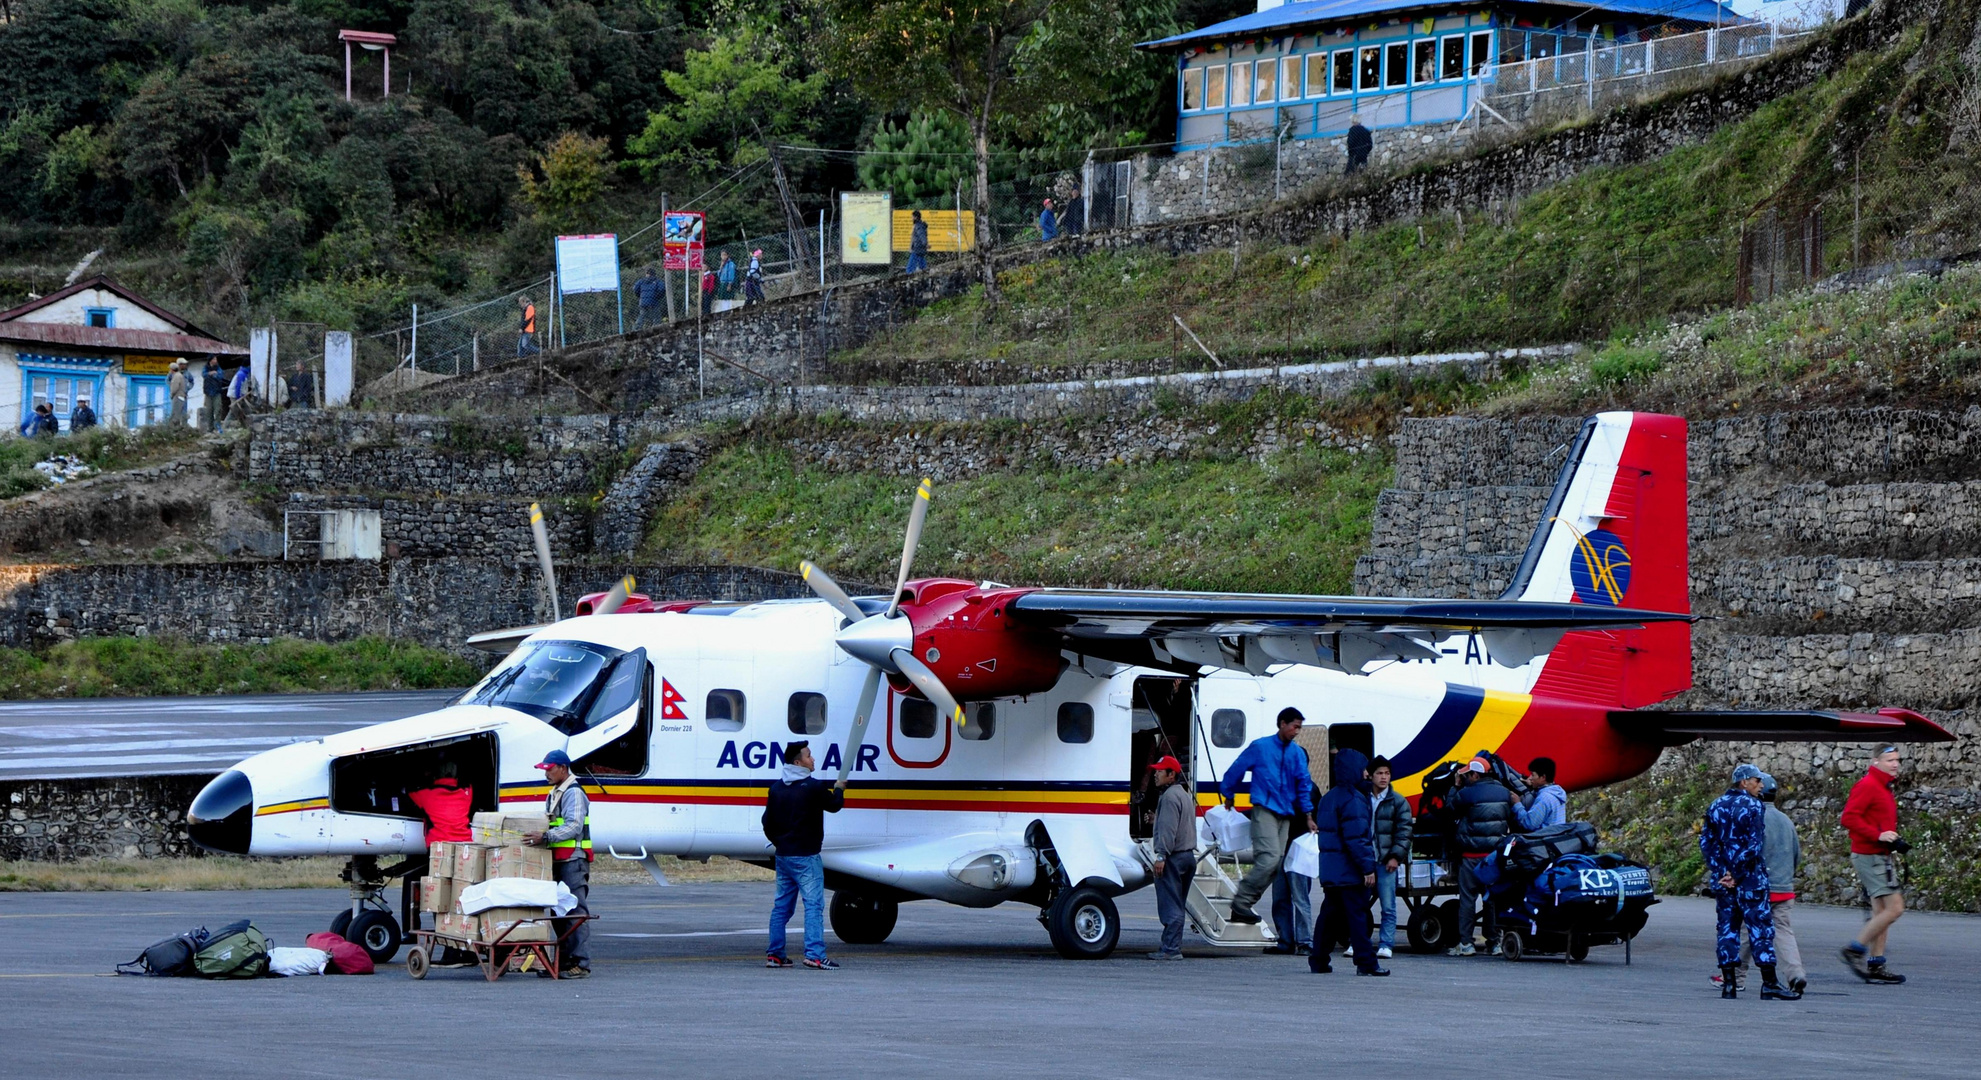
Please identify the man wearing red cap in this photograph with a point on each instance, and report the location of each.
(1176, 852)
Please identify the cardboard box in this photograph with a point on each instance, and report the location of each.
(496, 921)
(456, 925)
(440, 859)
(470, 863)
(438, 894)
(518, 861)
(502, 827)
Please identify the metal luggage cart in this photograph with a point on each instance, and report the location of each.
(494, 958)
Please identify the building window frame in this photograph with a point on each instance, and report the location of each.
(107, 314)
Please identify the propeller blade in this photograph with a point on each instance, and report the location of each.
(860, 716)
(916, 517)
(829, 590)
(542, 540)
(612, 601)
(501, 642)
(930, 686)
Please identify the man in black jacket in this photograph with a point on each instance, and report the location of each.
(794, 823)
(1482, 813)
(1348, 865)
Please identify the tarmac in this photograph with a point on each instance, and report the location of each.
(679, 989)
(72, 737)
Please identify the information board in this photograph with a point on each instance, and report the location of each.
(866, 234)
(588, 264)
(681, 237)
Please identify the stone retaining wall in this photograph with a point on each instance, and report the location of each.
(541, 457)
(112, 817)
(461, 527)
(663, 468)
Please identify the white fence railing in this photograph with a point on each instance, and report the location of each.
(1573, 84)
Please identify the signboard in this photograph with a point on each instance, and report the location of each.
(138, 364)
(587, 264)
(337, 369)
(949, 230)
(866, 234)
(681, 238)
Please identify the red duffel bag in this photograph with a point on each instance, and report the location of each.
(346, 957)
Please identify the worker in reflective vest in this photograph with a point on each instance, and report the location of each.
(570, 841)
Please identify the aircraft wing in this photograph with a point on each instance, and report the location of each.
(1814, 725)
(1252, 631)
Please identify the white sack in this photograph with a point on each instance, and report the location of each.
(1305, 855)
(297, 961)
(517, 892)
(1230, 830)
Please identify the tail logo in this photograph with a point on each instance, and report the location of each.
(1600, 568)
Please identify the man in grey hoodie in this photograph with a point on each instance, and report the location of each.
(1781, 850)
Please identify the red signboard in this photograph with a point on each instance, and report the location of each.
(682, 239)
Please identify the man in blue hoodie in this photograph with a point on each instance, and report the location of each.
(794, 823)
(1348, 864)
(1281, 788)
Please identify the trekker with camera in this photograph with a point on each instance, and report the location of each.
(1870, 816)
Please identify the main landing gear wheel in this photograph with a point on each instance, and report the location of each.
(342, 924)
(377, 932)
(858, 919)
(1083, 924)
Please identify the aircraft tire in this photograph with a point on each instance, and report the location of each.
(377, 933)
(340, 923)
(1083, 924)
(858, 919)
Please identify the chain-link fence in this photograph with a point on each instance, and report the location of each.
(1573, 84)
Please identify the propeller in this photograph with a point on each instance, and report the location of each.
(885, 641)
(613, 599)
(542, 539)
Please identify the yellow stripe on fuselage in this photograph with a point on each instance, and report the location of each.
(1498, 715)
(321, 803)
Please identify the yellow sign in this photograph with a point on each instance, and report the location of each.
(949, 230)
(864, 228)
(135, 364)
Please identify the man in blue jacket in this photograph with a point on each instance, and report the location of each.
(1348, 864)
(1733, 844)
(1281, 789)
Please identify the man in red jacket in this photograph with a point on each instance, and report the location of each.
(1870, 815)
(447, 805)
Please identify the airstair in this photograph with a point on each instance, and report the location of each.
(1209, 903)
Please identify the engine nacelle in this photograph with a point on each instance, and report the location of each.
(964, 633)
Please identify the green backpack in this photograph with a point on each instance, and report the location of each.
(235, 951)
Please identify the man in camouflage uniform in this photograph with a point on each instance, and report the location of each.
(1732, 842)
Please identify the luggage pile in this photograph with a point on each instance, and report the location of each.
(1556, 893)
(240, 951)
(491, 888)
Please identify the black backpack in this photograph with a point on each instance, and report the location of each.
(173, 956)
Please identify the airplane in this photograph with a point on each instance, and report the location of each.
(1016, 724)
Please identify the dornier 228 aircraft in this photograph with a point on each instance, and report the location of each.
(1015, 724)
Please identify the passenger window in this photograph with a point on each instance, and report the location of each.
(1228, 728)
(979, 721)
(917, 718)
(805, 715)
(1076, 722)
(724, 711)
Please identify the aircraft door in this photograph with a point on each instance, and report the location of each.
(1162, 711)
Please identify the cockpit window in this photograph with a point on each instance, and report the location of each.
(553, 681)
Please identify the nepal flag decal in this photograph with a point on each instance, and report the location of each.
(670, 702)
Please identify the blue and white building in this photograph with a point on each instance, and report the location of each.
(1302, 70)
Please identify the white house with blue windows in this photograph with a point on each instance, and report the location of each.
(1302, 70)
(98, 342)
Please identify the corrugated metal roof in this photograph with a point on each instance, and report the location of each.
(112, 339)
(1291, 17)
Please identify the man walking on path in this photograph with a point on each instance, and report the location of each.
(1281, 788)
(725, 279)
(1546, 803)
(1732, 843)
(213, 382)
(1393, 828)
(918, 245)
(1048, 224)
(1360, 143)
(1870, 816)
(794, 823)
(1176, 853)
(650, 291)
(526, 327)
(1348, 865)
(1781, 852)
(179, 387)
(1074, 221)
(1482, 812)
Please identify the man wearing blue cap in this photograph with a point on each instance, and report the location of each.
(570, 841)
(1733, 843)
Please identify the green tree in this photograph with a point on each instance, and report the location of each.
(990, 64)
(733, 99)
(928, 155)
(567, 178)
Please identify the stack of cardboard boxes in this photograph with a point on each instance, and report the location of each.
(497, 851)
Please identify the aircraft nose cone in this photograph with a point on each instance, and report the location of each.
(222, 816)
(874, 637)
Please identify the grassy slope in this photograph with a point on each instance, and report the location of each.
(141, 667)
